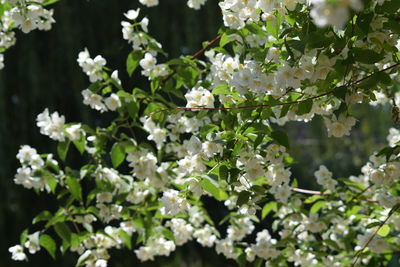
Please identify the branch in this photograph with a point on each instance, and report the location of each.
(196, 55)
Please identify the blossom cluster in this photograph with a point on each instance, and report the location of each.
(24, 15)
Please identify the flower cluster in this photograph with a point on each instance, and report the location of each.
(24, 15)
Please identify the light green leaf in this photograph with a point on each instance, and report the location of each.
(117, 154)
(132, 61)
(211, 188)
(80, 144)
(317, 206)
(74, 187)
(384, 230)
(48, 243)
(62, 149)
(268, 208)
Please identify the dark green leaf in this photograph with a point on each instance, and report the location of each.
(281, 138)
(63, 232)
(304, 107)
(223, 173)
(366, 56)
(243, 198)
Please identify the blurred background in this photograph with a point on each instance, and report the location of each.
(41, 71)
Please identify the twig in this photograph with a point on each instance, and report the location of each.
(279, 104)
(306, 191)
(360, 193)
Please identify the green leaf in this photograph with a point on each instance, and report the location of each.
(63, 232)
(43, 216)
(132, 61)
(126, 238)
(23, 237)
(50, 2)
(225, 39)
(312, 199)
(211, 188)
(340, 92)
(80, 144)
(366, 56)
(223, 173)
(48, 243)
(273, 26)
(117, 154)
(281, 138)
(388, 7)
(268, 208)
(304, 107)
(168, 234)
(392, 25)
(74, 187)
(317, 206)
(384, 230)
(62, 149)
(221, 90)
(243, 198)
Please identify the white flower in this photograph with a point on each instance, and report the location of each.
(144, 23)
(51, 125)
(132, 14)
(148, 62)
(149, 3)
(74, 132)
(173, 203)
(195, 4)
(113, 102)
(17, 253)
(199, 97)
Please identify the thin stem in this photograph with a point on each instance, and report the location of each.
(375, 233)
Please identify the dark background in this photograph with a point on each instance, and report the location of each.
(41, 71)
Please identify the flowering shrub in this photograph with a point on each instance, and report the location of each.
(211, 124)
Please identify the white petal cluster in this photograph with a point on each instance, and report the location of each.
(155, 247)
(150, 66)
(149, 3)
(339, 126)
(205, 236)
(182, 231)
(156, 133)
(130, 31)
(32, 161)
(196, 4)
(51, 125)
(199, 97)
(327, 13)
(92, 67)
(32, 17)
(173, 202)
(263, 247)
(324, 178)
(97, 102)
(17, 252)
